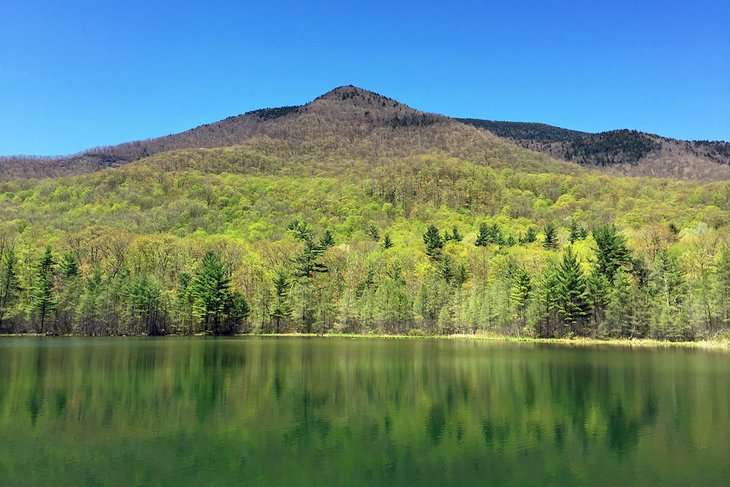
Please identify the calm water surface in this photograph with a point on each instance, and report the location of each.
(298, 411)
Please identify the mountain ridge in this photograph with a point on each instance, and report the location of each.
(348, 114)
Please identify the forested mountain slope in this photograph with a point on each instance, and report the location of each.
(626, 152)
(352, 121)
(345, 122)
(357, 214)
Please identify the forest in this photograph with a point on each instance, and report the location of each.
(248, 240)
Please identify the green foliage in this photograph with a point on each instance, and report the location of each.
(612, 253)
(219, 309)
(264, 208)
(307, 262)
(530, 236)
(373, 232)
(551, 236)
(572, 300)
(434, 242)
(281, 310)
(9, 284)
(44, 299)
(327, 240)
(145, 299)
(577, 232)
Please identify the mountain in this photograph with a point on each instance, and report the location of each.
(355, 213)
(625, 152)
(349, 121)
(347, 117)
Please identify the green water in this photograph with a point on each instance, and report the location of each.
(297, 411)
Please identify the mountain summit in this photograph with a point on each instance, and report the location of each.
(358, 122)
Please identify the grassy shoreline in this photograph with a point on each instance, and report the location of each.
(719, 344)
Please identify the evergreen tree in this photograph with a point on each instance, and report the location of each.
(521, 293)
(530, 236)
(89, 311)
(306, 263)
(462, 275)
(545, 318)
(69, 265)
(612, 252)
(670, 320)
(483, 236)
(327, 240)
(551, 236)
(215, 305)
(447, 270)
(572, 292)
(456, 236)
(387, 242)
(282, 308)
(434, 242)
(9, 283)
(599, 292)
(184, 302)
(70, 289)
(145, 301)
(373, 232)
(300, 230)
(722, 286)
(577, 232)
(44, 299)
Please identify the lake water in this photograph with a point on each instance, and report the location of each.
(307, 411)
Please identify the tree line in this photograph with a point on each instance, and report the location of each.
(588, 284)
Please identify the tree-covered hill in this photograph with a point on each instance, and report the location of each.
(262, 238)
(351, 118)
(358, 214)
(625, 152)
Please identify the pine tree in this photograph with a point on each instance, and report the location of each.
(670, 320)
(462, 275)
(44, 299)
(612, 252)
(446, 269)
(722, 286)
(69, 265)
(300, 230)
(483, 236)
(211, 290)
(184, 302)
(577, 232)
(9, 283)
(327, 240)
(145, 299)
(572, 292)
(551, 236)
(434, 242)
(387, 242)
(599, 292)
(306, 263)
(455, 235)
(282, 308)
(530, 236)
(521, 293)
(545, 319)
(373, 232)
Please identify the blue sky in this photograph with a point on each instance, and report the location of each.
(76, 74)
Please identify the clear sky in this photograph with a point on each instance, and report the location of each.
(80, 73)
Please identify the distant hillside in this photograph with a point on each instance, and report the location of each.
(626, 152)
(350, 122)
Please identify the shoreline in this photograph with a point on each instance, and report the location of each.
(721, 344)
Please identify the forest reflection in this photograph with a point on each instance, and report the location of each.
(366, 410)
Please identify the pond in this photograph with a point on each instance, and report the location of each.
(337, 411)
